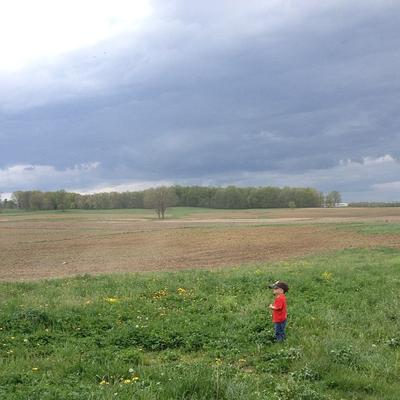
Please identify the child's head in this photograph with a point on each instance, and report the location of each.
(279, 287)
(277, 291)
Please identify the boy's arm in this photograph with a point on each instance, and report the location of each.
(278, 305)
(272, 307)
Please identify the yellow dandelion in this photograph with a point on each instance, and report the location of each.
(135, 378)
(159, 294)
(327, 275)
(103, 382)
(126, 381)
(35, 369)
(181, 290)
(111, 300)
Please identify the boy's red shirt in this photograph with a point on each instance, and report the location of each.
(280, 314)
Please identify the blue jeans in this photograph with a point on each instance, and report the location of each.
(280, 334)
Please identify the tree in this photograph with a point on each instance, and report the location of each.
(333, 198)
(160, 199)
(22, 199)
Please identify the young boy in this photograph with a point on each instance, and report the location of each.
(279, 310)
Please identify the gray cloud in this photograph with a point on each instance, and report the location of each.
(255, 93)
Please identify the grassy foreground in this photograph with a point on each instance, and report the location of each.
(207, 334)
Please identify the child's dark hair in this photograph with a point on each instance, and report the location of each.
(280, 285)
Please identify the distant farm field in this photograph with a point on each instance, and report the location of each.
(36, 245)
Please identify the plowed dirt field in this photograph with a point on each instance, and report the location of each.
(38, 246)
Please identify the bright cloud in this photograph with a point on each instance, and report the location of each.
(35, 30)
(31, 177)
(28, 177)
(124, 187)
(386, 159)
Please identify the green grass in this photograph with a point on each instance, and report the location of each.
(181, 212)
(375, 228)
(207, 334)
(67, 213)
(172, 212)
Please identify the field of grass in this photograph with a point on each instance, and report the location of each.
(207, 334)
(384, 213)
(134, 212)
(172, 213)
(372, 228)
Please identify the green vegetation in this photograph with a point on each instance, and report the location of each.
(376, 228)
(333, 198)
(207, 334)
(182, 212)
(132, 212)
(375, 204)
(172, 212)
(230, 197)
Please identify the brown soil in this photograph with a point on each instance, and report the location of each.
(48, 246)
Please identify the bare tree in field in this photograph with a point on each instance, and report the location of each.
(160, 199)
(333, 198)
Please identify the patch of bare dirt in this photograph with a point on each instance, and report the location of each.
(41, 248)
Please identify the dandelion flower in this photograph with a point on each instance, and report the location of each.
(327, 275)
(35, 369)
(111, 300)
(159, 294)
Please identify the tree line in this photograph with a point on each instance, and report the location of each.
(230, 197)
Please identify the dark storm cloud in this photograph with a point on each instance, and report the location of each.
(210, 92)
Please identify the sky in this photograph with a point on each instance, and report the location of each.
(124, 95)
